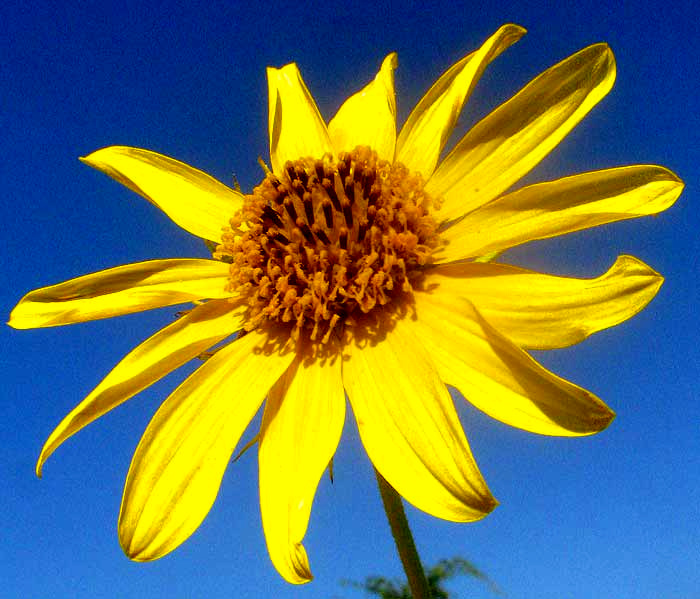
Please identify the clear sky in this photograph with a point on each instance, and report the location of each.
(614, 515)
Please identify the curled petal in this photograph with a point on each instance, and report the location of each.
(122, 290)
(192, 199)
(301, 428)
(409, 427)
(509, 142)
(179, 463)
(297, 129)
(549, 209)
(539, 311)
(431, 122)
(368, 118)
(498, 377)
(170, 348)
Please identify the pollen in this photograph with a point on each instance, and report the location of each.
(328, 240)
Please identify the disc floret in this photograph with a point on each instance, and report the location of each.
(329, 239)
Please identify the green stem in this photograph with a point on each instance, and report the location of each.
(403, 538)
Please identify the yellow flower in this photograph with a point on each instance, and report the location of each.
(354, 268)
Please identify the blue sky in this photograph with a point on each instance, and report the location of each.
(615, 515)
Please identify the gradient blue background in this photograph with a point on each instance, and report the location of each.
(615, 515)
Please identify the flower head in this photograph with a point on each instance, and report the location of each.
(360, 265)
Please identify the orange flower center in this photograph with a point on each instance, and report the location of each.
(328, 240)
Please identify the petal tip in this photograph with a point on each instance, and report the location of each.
(134, 556)
(391, 60)
(19, 320)
(604, 49)
(46, 451)
(490, 504)
(39, 468)
(133, 552)
(600, 421)
(627, 261)
(606, 419)
(674, 185)
(283, 70)
(675, 179)
(478, 511)
(303, 573)
(92, 159)
(514, 30)
(89, 159)
(609, 56)
(293, 566)
(605, 62)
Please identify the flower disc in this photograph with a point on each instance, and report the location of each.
(329, 239)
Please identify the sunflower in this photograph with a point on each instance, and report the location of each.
(361, 265)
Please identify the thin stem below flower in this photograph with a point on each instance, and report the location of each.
(403, 539)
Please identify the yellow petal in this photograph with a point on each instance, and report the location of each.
(430, 124)
(192, 199)
(297, 129)
(563, 206)
(498, 377)
(409, 427)
(178, 465)
(368, 118)
(539, 311)
(509, 142)
(300, 431)
(168, 349)
(121, 290)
